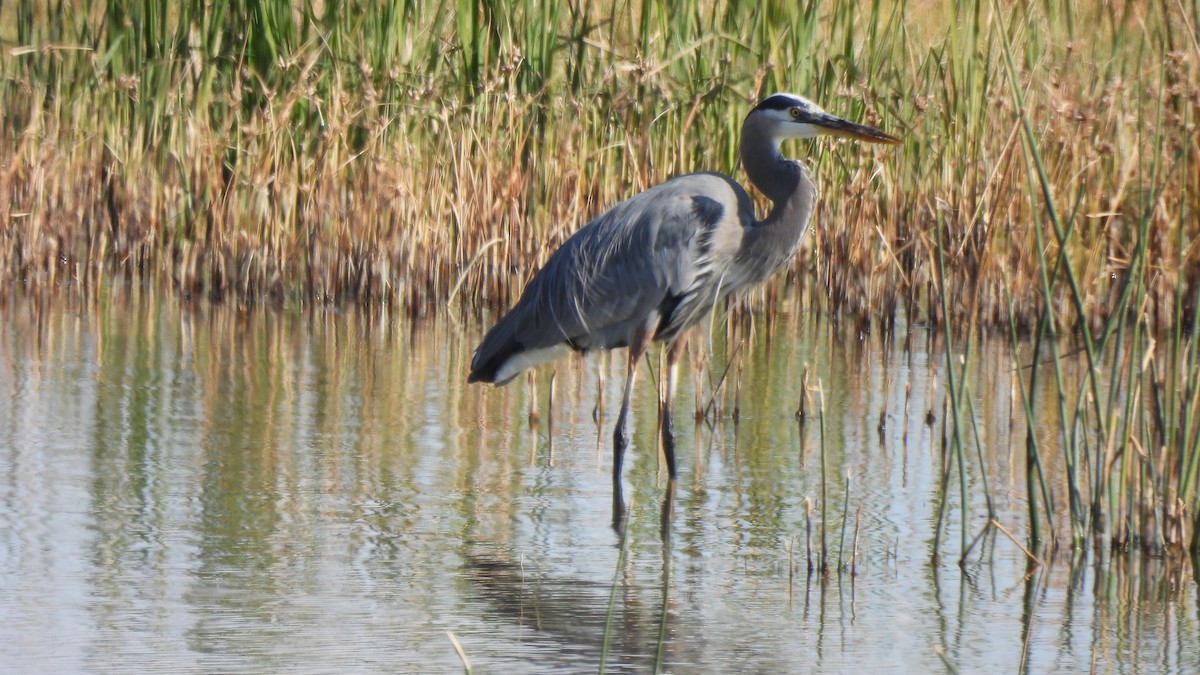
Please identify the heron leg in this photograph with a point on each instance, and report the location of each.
(637, 348)
(674, 352)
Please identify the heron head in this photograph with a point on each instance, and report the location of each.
(792, 116)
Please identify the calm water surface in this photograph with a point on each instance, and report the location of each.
(208, 489)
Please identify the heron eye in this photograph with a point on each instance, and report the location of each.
(795, 113)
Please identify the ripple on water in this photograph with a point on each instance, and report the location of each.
(201, 489)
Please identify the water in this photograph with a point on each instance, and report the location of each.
(209, 489)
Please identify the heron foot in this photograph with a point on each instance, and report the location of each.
(668, 443)
(618, 508)
(620, 442)
(667, 515)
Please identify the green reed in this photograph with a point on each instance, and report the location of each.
(1135, 455)
(375, 151)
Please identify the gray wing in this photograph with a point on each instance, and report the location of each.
(653, 261)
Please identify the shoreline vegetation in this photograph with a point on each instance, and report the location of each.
(415, 154)
(419, 156)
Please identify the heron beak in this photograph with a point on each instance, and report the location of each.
(833, 125)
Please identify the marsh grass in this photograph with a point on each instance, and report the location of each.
(420, 155)
(413, 153)
(1125, 393)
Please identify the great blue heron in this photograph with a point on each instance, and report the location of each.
(654, 265)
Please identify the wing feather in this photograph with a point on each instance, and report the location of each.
(651, 261)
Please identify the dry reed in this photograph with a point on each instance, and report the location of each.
(403, 156)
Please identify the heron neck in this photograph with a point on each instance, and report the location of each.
(787, 183)
(766, 166)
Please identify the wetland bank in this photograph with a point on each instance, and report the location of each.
(247, 248)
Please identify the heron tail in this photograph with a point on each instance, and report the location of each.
(499, 359)
(488, 360)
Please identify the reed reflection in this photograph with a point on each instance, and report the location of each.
(244, 488)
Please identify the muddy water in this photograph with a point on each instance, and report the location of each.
(210, 489)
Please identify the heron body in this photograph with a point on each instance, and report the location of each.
(654, 263)
(653, 266)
